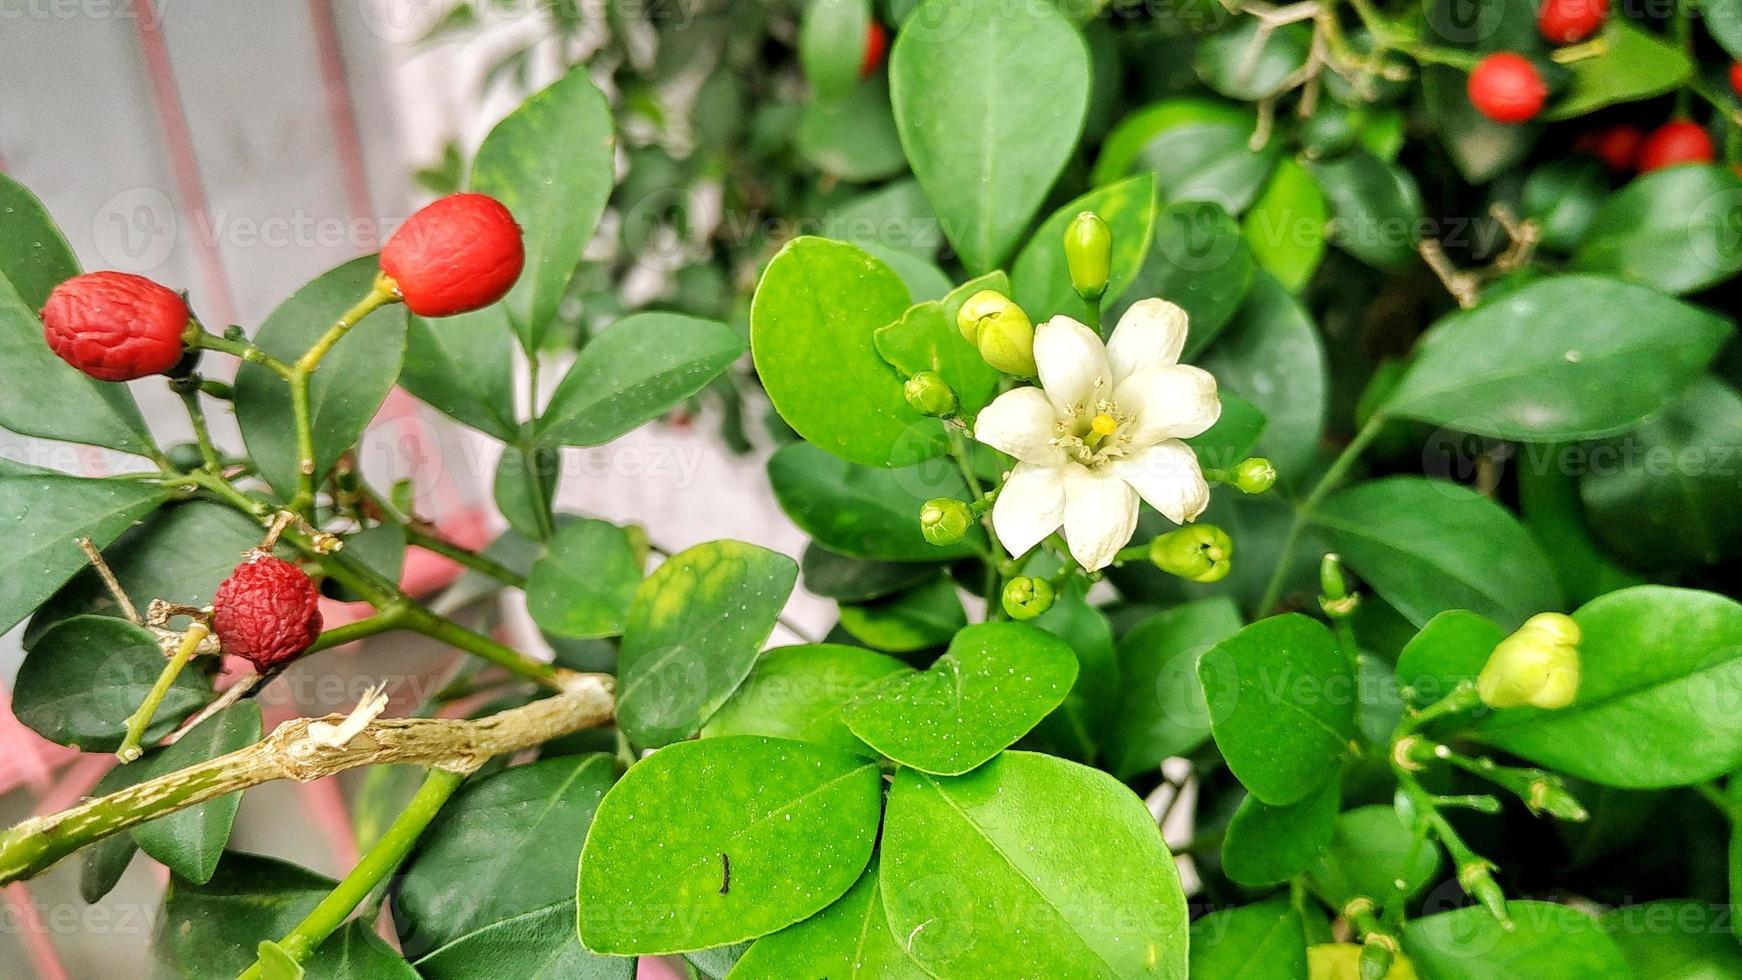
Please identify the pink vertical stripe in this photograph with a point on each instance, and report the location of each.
(342, 117)
(32, 934)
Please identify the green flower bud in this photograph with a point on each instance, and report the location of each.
(1538, 665)
(1002, 332)
(929, 395)
(976, 310)
(1478, 883)
(1254, 475)
(1088, 254)
(1199, 553)
(1547, 795)
(1342, 961)
(1377, 953)
(1026, 597)
(944, 520)
(185, 456)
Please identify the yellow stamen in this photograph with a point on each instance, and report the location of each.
(1103, 425)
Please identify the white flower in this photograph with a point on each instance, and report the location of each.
(1102, 430)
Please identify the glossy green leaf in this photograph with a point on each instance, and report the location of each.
(849, 940)
(1671, 229)
(1452, 647)
(1253, 942)
(1231, 440)
(865, 511)
(1240, 64)
(1551, 942)
(637, 369)
(1600, 355)
(189, 842)
(1199, 261)
(1269, 844)
(1042, 281)
(552, 162)
(37, 256)
(1030, 865)
(102, 864)
(694, 630)
(1161, 707)
(381, 548)
(1632, 64)
(853, 137)
(812, 329)
(1426, 546)
(215, 929)
(845, 579)
(503, 846)
(464, 367)
(1723, 19)
(1656, 664)
(1367, 855)
(960, 146)
(582, 586)
(1199, 150)
(799, 692)
(1285, 229)
(772, 832)
(355, 952)
(926, 339)
(353, 380)
(524, 486)
(995, 683)
(1282, 706)
(926, 615)
(895, 217)
(1670, 940)
(1078, 727)
(1376, 209)
(536, 945)
(1272, 356)
(1564, 198)
(831, 44)
(83, 678)
(925, 282)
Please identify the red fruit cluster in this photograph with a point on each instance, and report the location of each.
(1617, 146)
(115, 326)
(1675, 142)
(1570, 21)
(455, 255)
(266, 612)
(876, 43)
(1507, 88)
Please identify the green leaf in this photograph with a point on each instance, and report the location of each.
(798, 693)
(1451, 647)
(845, 579)
(926, 339)
(464, 367)
(1198, 261)
(504, 845)
(1161, 708)
(895, 217)
(356, 953)
(189, 842)
(1077, 727)
(353, 380)
(276, 964)
(1285, 229)
(1600, 355)
(864, 511)
(1564, 198)
(1229, 441)
(83, 678)
(926, 615)
(536, 945)
(1426, 546)
(552, 163)
(995, 683)
(639, 368)
(694, 630)
(1282, 706)
(1547, 941)
(1271, 355)
(1030, 860)
(1632, 64)
(1688, 516)
(524, 486)
(853, 137)
(1367, 855)
(1376, 210)
(381, 548)
(1043, 282)
(37, 257)
(582, 586)
(1671, 229)
(1240, 64)
(1723, 18)
(849, 940)
(1656, 664)
(102, 864)
(924, 280)
(771, 832)
(1252, 942)
(215, 929)
(1269, 844)
(1199, 150)
(812, 328)
(1669, 940)
(831, 45)
(961, 146)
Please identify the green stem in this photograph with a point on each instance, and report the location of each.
(338, 636)
(429, 624)
(1303, 514)
(382, 858)
(140, 720)
(482, 564)
(541, 502)
(241, 349)
(380, 294)
(190, 397)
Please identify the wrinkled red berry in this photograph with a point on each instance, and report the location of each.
(1617, 146)
(266, 612)
(1570, 21)
(115, 326)
(455, 255)
(1736, 78)
(876, 43)
(1675, 142)
(1507, 88)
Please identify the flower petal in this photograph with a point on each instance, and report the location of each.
(1072, 362)
(1030, 507)
(1170, 401)
(1100, 514)
(1168, 476)
(1021, 422)
(1150, 334)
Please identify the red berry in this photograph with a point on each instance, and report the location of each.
(455, 255)
(1570, 21)
(115, 326)
(876, 42)
(1675, 142)
(1506, 88)
(266, 612)
(1617, 146)
(1736, 77)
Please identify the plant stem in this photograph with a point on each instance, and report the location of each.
(545, 522)
(140, 720)
(1304, 513)
(241, 349)
(380, 294)
(338, 636)
(190, 397)
(382, 858)
(436, 627)
(416, 535)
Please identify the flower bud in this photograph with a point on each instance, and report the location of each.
(944, 520)
(1378, 951)
(1088, 254)
(1342, 961)
(1026, 597)
(1547, 795)
(929, 395)
(1538, 665)
(1001, 330)
(1199, 553)
(1254, 475)
(1478, 883)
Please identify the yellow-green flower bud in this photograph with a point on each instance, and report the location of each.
(1378, 951)
(1254, 475)
(980, 307)
(1341, 961)
(944, 520)
(1088, 254)
(930, 395)
(1478, 883)
(1002, 332)
(1547, 795)
(1537, 666)
(1199, 553)
(1026, 597)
